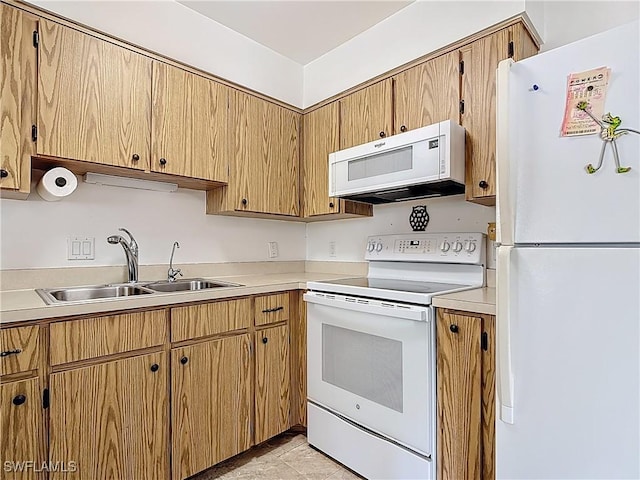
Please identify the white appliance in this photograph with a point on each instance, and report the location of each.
(371, 353)
(424, 162)
(568, 277)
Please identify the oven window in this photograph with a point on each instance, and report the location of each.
(366, 365)
(381, 164)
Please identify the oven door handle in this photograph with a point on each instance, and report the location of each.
(374, 307)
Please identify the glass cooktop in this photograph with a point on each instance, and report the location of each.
(395, 285)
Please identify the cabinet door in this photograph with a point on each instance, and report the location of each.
(428, 93)
(264, 172)
(211, 403)
(481, 59)
(321, 137)
(366, 115)
(111, 419)
(272, 382)
(94, 99)
(189, 124)
(459, 396)
(18, 59)
(20, 429)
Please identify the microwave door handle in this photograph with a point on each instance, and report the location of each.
(416, 314)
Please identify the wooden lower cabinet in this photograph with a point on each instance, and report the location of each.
(465, 395)
(111, 419)
(273, 384)
(211, 403)
(20, 429)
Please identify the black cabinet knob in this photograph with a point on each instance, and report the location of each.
(483, 184)
(184, 360)
(4, 173)
(19, 399)
(454, 328)
(265, 339)
(330, 204)
(135, 157)
(403, 128)
(244, 201)
(155, 367)
(382, 134)
(163, 161)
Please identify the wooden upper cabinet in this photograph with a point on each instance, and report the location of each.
(366, 115)
(122, 407)
(211, 403)
(190, 125)
(481, 60)
(94, 99)
(264, 157)
(428, 93)
(18, 66)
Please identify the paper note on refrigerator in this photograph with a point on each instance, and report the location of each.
(591, 87)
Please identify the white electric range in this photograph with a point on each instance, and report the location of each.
(371, 352)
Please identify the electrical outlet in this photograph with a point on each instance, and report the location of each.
(332, 249)
(273, 249)
(81, 248)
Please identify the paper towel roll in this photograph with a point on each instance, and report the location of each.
(56, 184)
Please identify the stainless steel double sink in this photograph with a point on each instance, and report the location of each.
(88, 294)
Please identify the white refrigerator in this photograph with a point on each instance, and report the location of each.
(568, 279)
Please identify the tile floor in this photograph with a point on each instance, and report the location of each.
(285, 457)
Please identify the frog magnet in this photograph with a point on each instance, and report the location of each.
(609, 132)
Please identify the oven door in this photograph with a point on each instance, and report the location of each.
(372, 362)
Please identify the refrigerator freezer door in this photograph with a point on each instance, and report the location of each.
(557, 201)
(575, 343)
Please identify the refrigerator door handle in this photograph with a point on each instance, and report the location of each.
(503, 335)
(505, 194)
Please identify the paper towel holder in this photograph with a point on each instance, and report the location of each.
(126, 182)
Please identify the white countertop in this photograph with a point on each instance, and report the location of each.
(478, 300)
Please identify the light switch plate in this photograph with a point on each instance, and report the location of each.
(81, 248)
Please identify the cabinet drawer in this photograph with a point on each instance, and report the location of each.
(272, 308)
(18, 349)
(99, 336)
(210, 319)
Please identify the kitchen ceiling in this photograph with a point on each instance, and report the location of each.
(299, 30)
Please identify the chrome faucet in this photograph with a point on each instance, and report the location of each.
(172, 273)
(130, 250)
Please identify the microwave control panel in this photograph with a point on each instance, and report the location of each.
(428, 247)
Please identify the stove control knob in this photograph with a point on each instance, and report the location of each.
(379, 247)
(457, 246)
(445, 246)
(371, 247)
(471, 247)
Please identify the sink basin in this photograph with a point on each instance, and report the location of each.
(187, 285)
(88, 294)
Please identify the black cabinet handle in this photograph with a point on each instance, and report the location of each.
(155, 367)
(403, 128)
(330, 204)
(184, 360)
(135, 157)
(454, 328)
(244, 201)
(483, 184)
(163, 161)
(271, 310)
(4, 173)
(19, 399)
(6, 353)
(382, 134)
(265, 340)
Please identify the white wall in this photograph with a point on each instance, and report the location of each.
(446, 214)
(416, 30)
(171, 29)
(34, 232)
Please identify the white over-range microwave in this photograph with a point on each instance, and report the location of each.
(425, 162)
